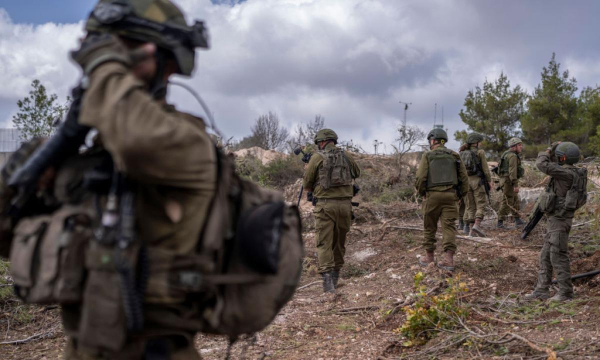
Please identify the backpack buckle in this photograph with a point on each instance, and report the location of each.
(190, 279)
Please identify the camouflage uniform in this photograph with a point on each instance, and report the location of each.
(440, 202)
(510, 172)
(333, 213)
(554, 254)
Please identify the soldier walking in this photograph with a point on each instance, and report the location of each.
(479, 177)
(510, 171)
(329, 177)
(566, 193)
(442, 180)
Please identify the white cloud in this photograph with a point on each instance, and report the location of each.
(348, 60)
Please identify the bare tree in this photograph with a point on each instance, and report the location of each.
(408, 136)
(268, 134)
(305, 133)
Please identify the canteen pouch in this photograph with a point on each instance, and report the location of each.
(547, 202)
(47, 256)
(103, 323)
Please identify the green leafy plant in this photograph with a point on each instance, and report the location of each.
(430, 313)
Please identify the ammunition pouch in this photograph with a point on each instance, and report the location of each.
(47, 256)
(547, 202)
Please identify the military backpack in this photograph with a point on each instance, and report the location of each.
(335, 170)
(503, 167)
(577, 195)
(471, 160)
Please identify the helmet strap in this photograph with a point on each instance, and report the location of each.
(158, 85)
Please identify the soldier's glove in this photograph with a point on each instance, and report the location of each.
(98, 49)
(551, 149)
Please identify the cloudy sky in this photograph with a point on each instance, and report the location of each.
(352, 61)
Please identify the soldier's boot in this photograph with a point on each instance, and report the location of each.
(561, 297)
(335, 277)
(535, 296)
(328, 282)
(500, 225)
(466, 228)
(476, 229)
(447, 262)
(519, 222)
(461, 224)
(427, 259)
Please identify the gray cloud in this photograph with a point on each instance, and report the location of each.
(348, 60)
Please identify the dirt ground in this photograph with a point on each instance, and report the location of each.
(361, 320)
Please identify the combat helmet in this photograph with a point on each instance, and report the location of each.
(514, 141)
(570, 150)
(324, 135)
(156, 21)
(437, 134)
(474, 138)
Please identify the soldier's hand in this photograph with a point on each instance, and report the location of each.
(516, 190)
(97, 49)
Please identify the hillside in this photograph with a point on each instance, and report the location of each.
(479, 310)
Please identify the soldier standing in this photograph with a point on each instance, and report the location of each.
(442, 180)
(510, 171)
(329, 177)
(567, 193)
(479, 176)
(130, 51)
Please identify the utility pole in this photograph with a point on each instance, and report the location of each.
(405, 109)
(376, 144)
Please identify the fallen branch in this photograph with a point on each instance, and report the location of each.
(585, 223)
(550, 352)
(37, 336)
(308, 285)
(476, 292)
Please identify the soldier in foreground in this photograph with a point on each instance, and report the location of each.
(442, 180)
(566, 193)
(329, 177)
(510, 171)
(479, 179)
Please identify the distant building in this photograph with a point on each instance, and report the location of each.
(10, 141)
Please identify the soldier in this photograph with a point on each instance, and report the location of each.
(479, 175)
(131, 50)
(510, 171)
(329, 177)
(442, 180)
(567, 192)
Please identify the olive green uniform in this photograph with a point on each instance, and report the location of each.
(333, 213)
(440, 201)
(172, 160)
(510, 172)
(476, 197)
(554, 254)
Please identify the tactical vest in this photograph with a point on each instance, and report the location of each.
(471, 160)
(442, 168)
(503, 168)
(335, 170)
(246, 266)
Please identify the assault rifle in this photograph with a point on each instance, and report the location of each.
(305, 159)
(535, 216)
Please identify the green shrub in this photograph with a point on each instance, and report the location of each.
(433, 312)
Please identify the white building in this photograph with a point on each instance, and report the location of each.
(10, 141)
